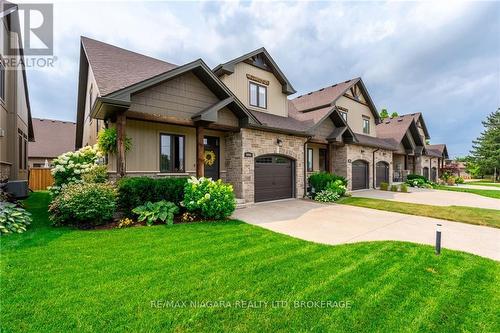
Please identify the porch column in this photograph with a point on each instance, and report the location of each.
(329, 156)
(200, 152)
(121, 122)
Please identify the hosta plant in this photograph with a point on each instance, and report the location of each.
(13, 219)
(152, 212)
(327, 196)
(209, 199)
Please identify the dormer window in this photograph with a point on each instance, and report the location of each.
(258, 95)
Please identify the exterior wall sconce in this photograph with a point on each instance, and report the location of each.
(279, 142)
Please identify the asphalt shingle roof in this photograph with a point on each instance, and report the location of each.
(115, 68)
(52, 138)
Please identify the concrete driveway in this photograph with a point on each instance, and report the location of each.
(432, 197)
(339, 224)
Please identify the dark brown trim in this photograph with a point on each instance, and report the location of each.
(172, 135)
(175, 121)
(325, 159)
(356, 100)
(200, 152)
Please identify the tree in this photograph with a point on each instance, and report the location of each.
(384, 114)
(486, 148)
(394, 115)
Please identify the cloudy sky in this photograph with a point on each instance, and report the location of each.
(439, 58)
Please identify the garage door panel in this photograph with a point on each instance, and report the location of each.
(359, 175)
(273, 178)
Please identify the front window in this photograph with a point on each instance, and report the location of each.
(171, 153)
(258, 95)
(309, 159)
(366, 125)
(322, 160)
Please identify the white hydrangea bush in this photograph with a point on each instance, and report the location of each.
(69, 167)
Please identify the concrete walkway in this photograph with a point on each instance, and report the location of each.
(432, 197)
(339, 224)
(480, 187)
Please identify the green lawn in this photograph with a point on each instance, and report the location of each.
(62, 280)
(483, 183)
(485, 193)
(471, 215)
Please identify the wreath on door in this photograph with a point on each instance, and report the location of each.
(209, 157)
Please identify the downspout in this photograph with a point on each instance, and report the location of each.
(373, 167)
(305, 165)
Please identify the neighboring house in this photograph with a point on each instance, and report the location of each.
(235, 122)
(53, 138)
(15, 114)
(413, 155)
(460, 169)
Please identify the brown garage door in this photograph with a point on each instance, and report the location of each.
(382, 171)
(359, 175)
(273, 178)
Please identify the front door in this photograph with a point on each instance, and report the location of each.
(211, 157)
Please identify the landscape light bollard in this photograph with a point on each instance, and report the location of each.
(438, 239)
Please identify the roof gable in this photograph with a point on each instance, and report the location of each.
(261, 59)
(327, 96)
(397, 128)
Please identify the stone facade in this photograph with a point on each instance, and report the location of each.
(4, 171)
(427, 162)
(240, 168)
(343, 156)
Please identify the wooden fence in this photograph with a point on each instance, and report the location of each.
(40, 179)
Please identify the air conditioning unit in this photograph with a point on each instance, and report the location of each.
(18, 188)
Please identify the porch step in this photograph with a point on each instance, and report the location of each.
(240, 203)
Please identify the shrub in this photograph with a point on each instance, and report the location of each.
(394, 188)
(125, 223)
(327, 196)
(158, 211)
(84, 203)
(106, 141)
(416, 182)
(320, 180)
(384, 186)
(209, 199)
(69, 167)
(413, 176)
(337, 187)
(97, 174)
(136, 191)
(459, 180)
(404, 188)
(450, 181)
(13, 219)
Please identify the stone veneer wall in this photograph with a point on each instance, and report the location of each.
(342, 166)
(4, 171)
(240, 169)
(424, 162)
